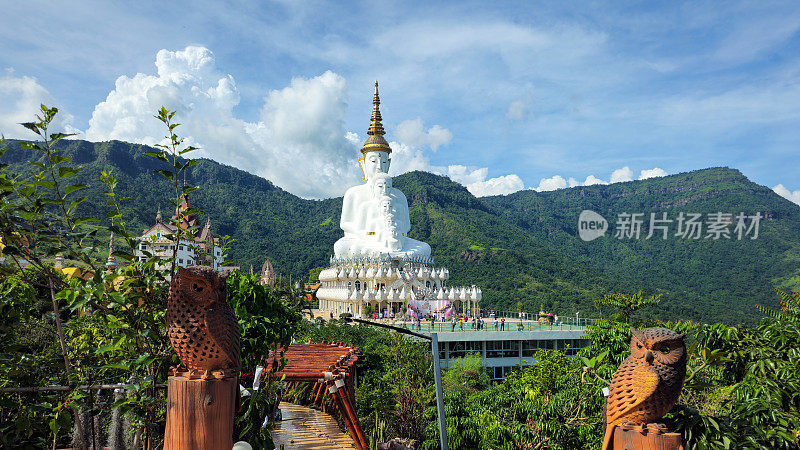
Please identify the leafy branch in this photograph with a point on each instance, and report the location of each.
(790, 307)
(626, 305)
(171, 155)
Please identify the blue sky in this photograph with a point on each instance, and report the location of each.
(499, 96)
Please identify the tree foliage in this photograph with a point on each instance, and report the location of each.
(107, 327)
(626, 305)
(741, 390)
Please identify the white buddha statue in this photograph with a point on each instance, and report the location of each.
(375, 216)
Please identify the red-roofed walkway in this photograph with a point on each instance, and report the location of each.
(329, 369)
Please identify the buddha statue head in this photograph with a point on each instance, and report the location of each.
(381, 183)
(373, 163)
(386, 207)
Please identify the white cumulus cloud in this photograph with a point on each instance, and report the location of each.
(188, 82)
(592, 180)
(412, 133)
(20, 101)
(476, 181)
(622, 175)
(652, 173)
(467, 175)
(408, 155)
(618, 176)
(551, 184)
(783, 191)
(502, 185)
(301, 125)
(406, 158)
(302, 132)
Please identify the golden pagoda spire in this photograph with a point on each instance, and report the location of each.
(375, 126)
(375, 141)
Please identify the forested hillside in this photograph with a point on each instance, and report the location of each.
(700, 278)
(520, 247)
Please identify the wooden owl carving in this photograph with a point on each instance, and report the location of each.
(201, 325)
(648, 383)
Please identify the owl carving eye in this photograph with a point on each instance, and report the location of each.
(664, 349)
(197, 288)
(638, 345)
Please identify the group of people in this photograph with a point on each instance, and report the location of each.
(462, 322)
(484, 322)
(385, 314)
(477, 323)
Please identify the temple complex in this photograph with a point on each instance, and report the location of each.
(202, 249)
(376, 267)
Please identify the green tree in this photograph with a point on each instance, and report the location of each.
(627, 305)
(110, 327)
(269, 318)
(313, 274)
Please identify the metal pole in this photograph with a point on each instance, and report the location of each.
(437, 378)
(437, 372)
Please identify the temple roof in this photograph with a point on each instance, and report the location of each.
(375, 140)
(205, 233)
(190, 220)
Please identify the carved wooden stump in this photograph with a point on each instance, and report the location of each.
(626, 439)
(200, 413)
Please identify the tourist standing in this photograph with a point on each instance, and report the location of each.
(502, 324)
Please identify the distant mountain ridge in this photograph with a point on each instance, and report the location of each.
(519, 247)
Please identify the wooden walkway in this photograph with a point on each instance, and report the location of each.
(309, 429)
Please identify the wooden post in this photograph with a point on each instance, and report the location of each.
(200, 413)
(634, 439)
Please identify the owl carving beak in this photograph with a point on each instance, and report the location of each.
(649, 357)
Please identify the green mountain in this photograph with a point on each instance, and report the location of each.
(519, 247)
(705, 278)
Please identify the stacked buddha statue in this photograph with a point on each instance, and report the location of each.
(375, 216)
(377, 269)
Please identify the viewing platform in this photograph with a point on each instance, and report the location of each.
(501, 349)
(525, 326)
